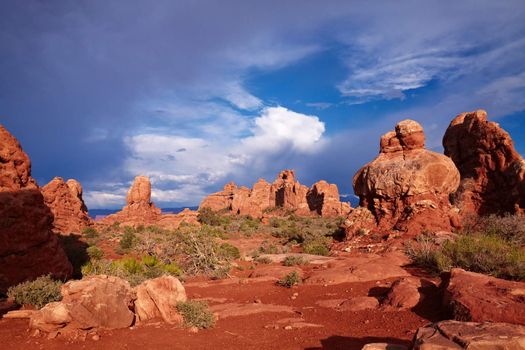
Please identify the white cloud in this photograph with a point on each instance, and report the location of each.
(241, 98)
(214, 158)
(280, 127)
(101, 199)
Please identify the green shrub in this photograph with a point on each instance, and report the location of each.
(128, 239)
(229, 251)
(317, 247)
(202, 254)
(290, 280)
(487, 254)
(94, 252)
(38, 293)
(172, 269)
(292, 260)
(196, 314)
(508, 227)
(89, 232)
(213, 218)
(150, 260)
(263, 260)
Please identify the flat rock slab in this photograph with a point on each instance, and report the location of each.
(237, 309)
(453, 335)
(363, 268)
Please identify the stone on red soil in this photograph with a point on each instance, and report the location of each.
(407, 187)
(492, 171)
(359, 304)
(403, 294)
(481, 298)
(70, 214)
(91, 303)
(28, 247)
(453, 335)
(285, 192)
(383, 346)
(158, 298)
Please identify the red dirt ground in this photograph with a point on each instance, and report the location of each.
(336, 330)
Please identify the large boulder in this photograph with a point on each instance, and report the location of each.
(492, 172)
(28, 247)
(285, 192)
(476, 297)
(407, 187)
(70, 214)
(95, 302)
(158, 298)
(454, 335)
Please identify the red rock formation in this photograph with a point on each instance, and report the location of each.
(480, 298)
(492, 172)
(65, 201)
(28, 247)
(407, 187)
(286, 192)
(139, 209)
(323, 198)
(220, 200)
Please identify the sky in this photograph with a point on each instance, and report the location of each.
(195, 94)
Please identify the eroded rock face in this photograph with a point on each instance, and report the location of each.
(158, 298)
(95, 302)
(407, 187)
(480, 298)
(28, 247)
(70, 214)
(454, 335)
(492, 172)
(285, 192)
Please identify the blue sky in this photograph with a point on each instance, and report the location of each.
(197, 93)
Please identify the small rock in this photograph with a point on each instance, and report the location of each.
(193, 330)
(257, 301)
(288, 328)
(95, 337)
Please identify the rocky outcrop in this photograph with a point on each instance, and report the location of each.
(454, 335)
(403, 294)
(70, 214)
(28, 247)
(95, 302)
(492, 172)
(158, 298)
(140, 210)
(407, 187)
(481, 298)
(285, 192)
(108, 302)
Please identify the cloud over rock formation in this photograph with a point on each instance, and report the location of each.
(406, 187)
(140, 210)
(66, 203)
(28, 247)
(492, 172)
(285, 192)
